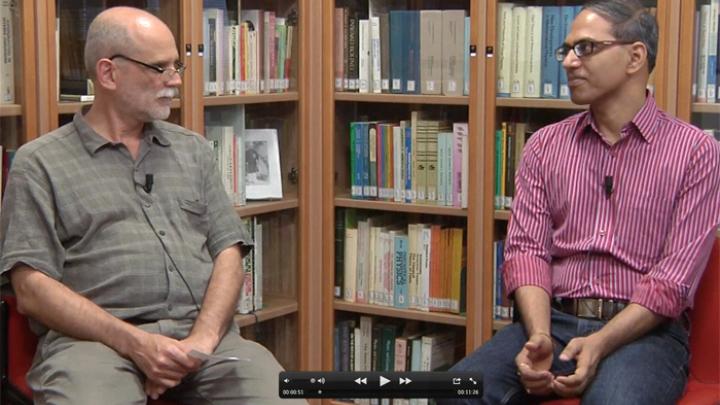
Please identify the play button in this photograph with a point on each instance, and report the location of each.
(383, 381)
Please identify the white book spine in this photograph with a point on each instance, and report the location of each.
(504, 53)
(375, 54)
(364, 56)
(534, 51)
(350, 264)
(7, 54)
(519, 54)
(703, 53)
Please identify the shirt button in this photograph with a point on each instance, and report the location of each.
(170, 307)
(162, 233)
(148, 205)
(602, 232)
(170, 269)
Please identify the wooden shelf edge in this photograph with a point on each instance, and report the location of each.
(71, 107)
(10, 110)
(497, 325)
(273, 307)
(711, 108)
(402, 98)
(251, 99)
(348, 202)
(434, 317)
(549, 103)
(502, 215)
(266, 207)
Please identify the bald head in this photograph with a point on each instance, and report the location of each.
(120, 30)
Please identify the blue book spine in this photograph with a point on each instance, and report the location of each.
(408, 164)
(466, 58)
(551, 40)
(397, 64)
(567, 14)
(365, 160)
(355, 162)
(401, 271)
(412, 84)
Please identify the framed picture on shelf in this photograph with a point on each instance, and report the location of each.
(262, 165)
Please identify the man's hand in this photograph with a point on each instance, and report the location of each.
(533, 362)
(163, 360)
(588, 353)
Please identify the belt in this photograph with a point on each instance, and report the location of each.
(593, 308)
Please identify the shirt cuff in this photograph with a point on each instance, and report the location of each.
(526, 270)
(662, 297)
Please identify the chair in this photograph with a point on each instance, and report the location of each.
(703, 386)
(18, 348)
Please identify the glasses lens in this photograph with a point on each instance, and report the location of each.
(561, 53)
(584, 48)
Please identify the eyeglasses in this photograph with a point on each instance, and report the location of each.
(166, 73)
(585, 47)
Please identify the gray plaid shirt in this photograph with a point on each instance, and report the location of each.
(75, 208)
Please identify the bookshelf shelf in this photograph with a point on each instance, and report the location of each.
(10, 110)
(274, 307)
(497, 325)
(401, 98)
(502, 215)
(71, 107)
(547, 103)
(434, 317)
(347, 202)
(265, 207)
(710, 108)
(251, 99)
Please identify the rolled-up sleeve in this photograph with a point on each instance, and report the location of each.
(28, 221)
(669, 287)
(527, 245)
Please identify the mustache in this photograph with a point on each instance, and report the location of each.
(169, 92)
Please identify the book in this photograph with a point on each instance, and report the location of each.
(83, 98)
(7, 52)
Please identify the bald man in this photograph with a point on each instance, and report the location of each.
(122, 246)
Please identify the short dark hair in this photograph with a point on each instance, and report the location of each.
(631, 21)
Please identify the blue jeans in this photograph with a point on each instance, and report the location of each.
(650, 370)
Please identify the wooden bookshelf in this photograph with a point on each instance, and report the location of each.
(347, 202)
(265, 207)
(434, 317)
(273, 307)
(401, 98)
(497, 325)
(72, 107)
(251, 99)
(10, 110)
(707, 108)
(539, 103)
(502, 215)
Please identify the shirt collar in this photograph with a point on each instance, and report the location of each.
(645, 121)
(92, 141)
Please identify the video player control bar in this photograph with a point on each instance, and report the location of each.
(338, 384)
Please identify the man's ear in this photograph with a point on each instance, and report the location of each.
(638, 57)
(105, 74)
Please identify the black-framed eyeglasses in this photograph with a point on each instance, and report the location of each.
(166, 73)
(585, 47)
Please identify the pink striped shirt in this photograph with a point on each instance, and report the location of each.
(647, 243)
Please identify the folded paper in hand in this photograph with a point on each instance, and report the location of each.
(206, 357)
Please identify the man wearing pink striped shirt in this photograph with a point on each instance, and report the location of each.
(614, 217)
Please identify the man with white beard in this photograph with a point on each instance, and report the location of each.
(122, 246)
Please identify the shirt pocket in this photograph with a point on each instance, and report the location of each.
(196, 214)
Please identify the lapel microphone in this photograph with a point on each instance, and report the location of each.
(608, 186)
(149, 179)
